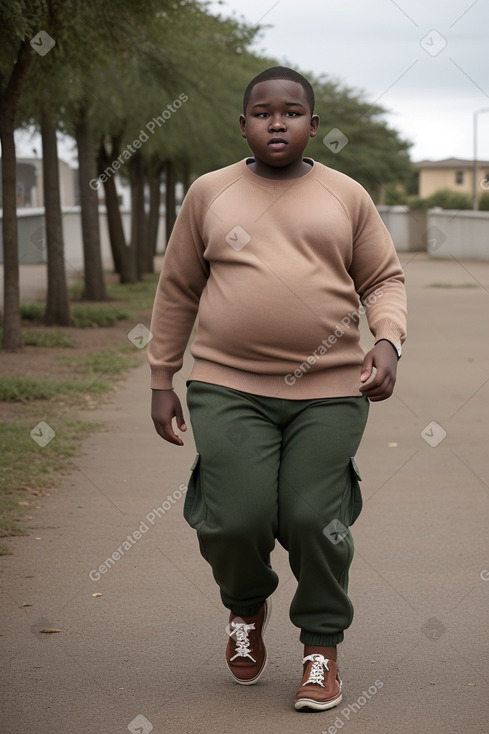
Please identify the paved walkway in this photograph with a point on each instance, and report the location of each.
(147, 653)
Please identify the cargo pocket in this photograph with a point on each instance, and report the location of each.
(194, 508)
(352, 498)
(356, 501)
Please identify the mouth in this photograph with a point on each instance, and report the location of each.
(277, 143)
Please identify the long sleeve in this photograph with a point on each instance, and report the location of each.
(378, 276)
(182, 280)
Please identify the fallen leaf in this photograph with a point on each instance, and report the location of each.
(49, 631)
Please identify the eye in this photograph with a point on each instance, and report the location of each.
(292, 113)
(262, 114)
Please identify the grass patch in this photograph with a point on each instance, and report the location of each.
(48, 339)
(126, 302)
(138, 295)
(453, 285)
(33, 311)
(28, 389)
(105, 362)
(26, 469)
(84, 315)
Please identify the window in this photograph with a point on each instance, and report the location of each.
(459, 177)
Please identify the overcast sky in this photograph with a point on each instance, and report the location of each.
(430, 89)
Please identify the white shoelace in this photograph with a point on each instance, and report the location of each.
(240, 634)
(319, 663)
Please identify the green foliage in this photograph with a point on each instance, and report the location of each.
(97, 315)
(104, 362)
(48, 339)
(393, 196)
(27, 389)
(484, 202)
(25, 465)
(447, 199)
(33, 311)
(374, 155)
(84, 315)
(416, 203)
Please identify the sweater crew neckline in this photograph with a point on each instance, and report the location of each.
(278, 183)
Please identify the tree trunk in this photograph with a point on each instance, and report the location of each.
(94, 289)
(122, 254)
(57, 305)
(171, 210)
(154, 211)
(139, 238)
(9, 97)
(12, 330)
(186, 176)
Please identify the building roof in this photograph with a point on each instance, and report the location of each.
(451, 163)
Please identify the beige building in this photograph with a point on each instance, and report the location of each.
(30, 191)
(455, 174)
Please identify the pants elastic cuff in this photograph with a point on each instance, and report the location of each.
(243, 611)
(312, 638)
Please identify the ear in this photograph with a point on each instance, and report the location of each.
(314, 126)
(242, 124)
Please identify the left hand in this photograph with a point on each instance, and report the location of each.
(383, 358)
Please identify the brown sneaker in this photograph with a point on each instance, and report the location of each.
(320, 688)
(246, 654)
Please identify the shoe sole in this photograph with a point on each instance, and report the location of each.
(252, 681)
(308, 703)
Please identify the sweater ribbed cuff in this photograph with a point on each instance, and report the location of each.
(161, 379)
(390, 330)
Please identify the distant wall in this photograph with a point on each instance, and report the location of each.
(32, 236)
(407, 228)
(442, 233)
(458, 234)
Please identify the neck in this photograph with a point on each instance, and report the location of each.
(280, 173)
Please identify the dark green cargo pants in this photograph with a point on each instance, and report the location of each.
(268, 469)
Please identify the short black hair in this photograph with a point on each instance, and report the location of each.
(280, 72)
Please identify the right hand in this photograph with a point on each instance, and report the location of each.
(165, 406)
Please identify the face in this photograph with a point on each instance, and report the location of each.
(278, 122)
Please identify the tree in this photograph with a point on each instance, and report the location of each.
(57, 303)
(122, 254)
(355, 139)
(15, 60)
(94, 283)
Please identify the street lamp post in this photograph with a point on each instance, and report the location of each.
(475, 205)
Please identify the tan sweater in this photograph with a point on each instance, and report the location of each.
(275, 270)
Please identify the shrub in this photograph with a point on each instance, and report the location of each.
(447, 199)
(484, 202)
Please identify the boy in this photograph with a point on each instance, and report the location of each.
(274, 253)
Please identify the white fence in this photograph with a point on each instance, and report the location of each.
(32, 236)
(460, 234)
(441, 232)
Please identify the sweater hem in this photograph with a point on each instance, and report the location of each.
(334, 383)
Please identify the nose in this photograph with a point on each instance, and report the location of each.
(277, 123)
